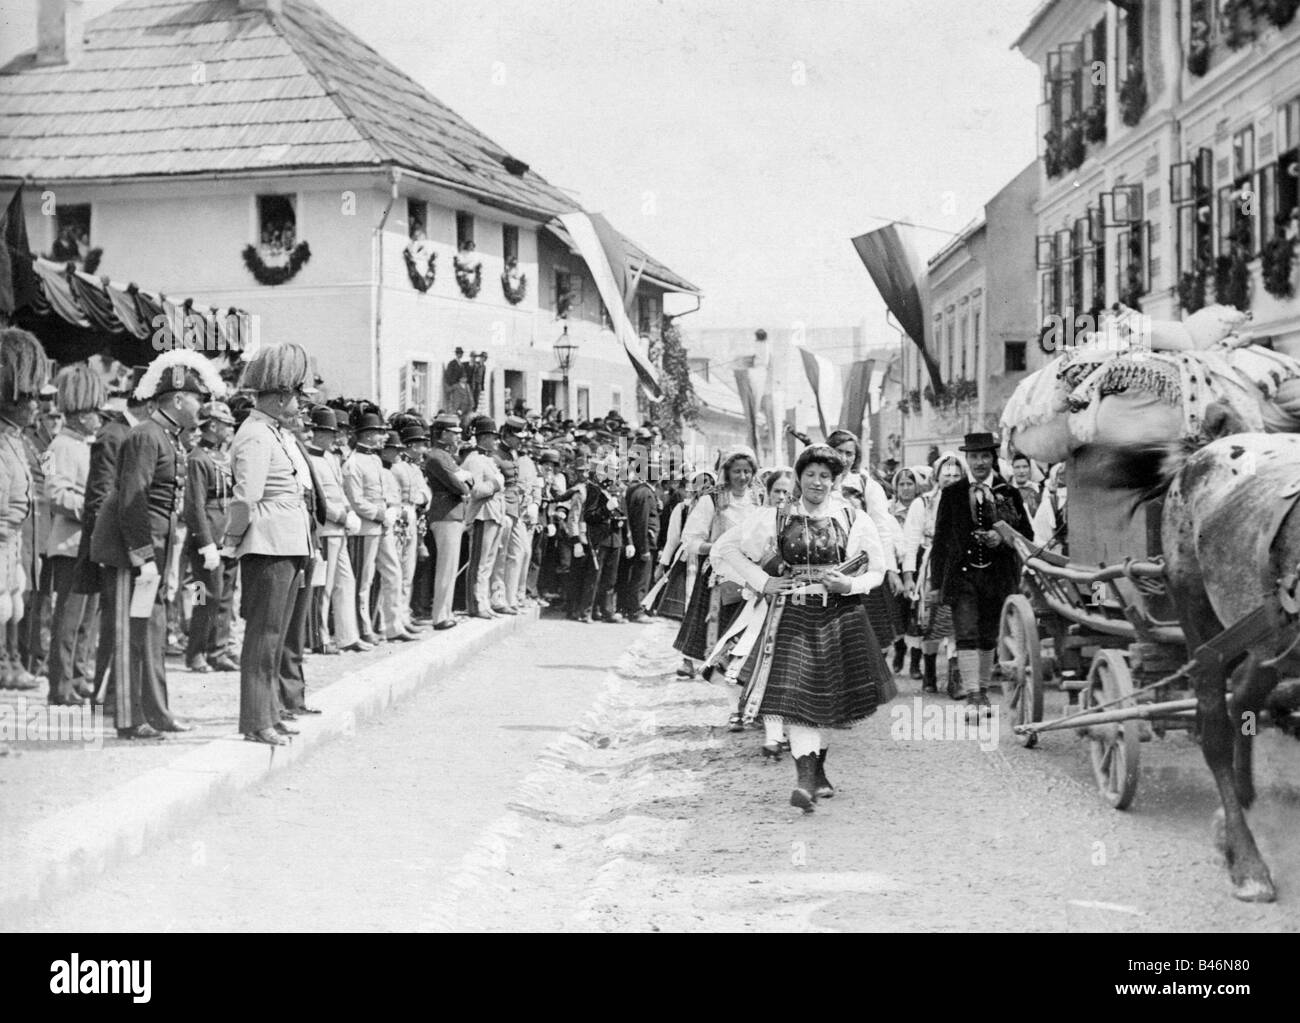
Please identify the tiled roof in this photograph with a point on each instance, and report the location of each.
(168, 87)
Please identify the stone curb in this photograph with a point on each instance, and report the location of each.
(81, 842)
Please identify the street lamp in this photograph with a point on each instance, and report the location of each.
(564, 351)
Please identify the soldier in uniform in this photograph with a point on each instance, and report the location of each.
(450, 490)
(135, 529)
(270, 531)
(207, 509)
(23, 372)
(364, 486)
(339, 589)
(483, 517)
(971, 568)
(34, 633)
(81, 393)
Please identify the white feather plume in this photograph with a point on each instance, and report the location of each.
(201, 364)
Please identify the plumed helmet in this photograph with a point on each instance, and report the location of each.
(80, 389)
(181, 369)
(24, 368)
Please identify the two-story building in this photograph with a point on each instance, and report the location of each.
(255, 153)
(1170, 137)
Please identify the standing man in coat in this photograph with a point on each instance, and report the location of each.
(363, 483)
(208, 485)
(269, 530)
(971, 567)
(643, 536)
(449, 490)
(483, 517)
(134, 532)
(72, 634)
(512, 545)
(339, 590)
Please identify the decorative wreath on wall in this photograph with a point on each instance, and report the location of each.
(514, 283)
(417, 254)
(469, 272)
(273, 275)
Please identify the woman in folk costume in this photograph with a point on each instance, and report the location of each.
(669, 596)
(884, 602)
(820, 665)
(24, 370)
(737, 651)
(712, 608)
(909, 483)
(935, 623)
(1050, 521)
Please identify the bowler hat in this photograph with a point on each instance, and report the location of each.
(483, 425)
(445, 422)
(324, 418)
(414, 433)
(394, 440)
(342, 420)
(514, 424)
(980, 442)
(370, 421)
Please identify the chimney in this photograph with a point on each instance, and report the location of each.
(60, 31)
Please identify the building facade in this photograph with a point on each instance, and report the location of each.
(269, 160)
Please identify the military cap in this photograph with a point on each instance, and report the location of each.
(324, 418)
(370, 421)
(514, 424)
(413, 433)
(549, 456)
(445, 422)
(217, 412)
(483, 425)
(394, 440)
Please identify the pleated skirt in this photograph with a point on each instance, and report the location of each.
(693, 635)
(826, 669)
(671, 600)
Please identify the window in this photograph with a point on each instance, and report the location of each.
(277, 224)
(1013, 357)
(584, 404)
(975, 338)
(965, 332)
(510, 244)
(413, 386)
(417, 219)
(1133, 263)
(72, 238)
(1129, 63)
(568, 293)
(1191, 193)
(949, 349)
(464, 231)
(616, 399)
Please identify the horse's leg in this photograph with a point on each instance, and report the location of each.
(1250, 877)
(1254, 683)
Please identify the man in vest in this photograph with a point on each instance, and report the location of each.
(972, 569)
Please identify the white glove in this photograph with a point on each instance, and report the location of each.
(211, 557)
(578, 552)
(390, 517)
(148, 571)
(629, 551)
(351, 523)
(612, 504)
(550, 529)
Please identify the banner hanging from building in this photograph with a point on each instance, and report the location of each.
(824, 379)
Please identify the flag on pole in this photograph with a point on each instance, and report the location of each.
(603, 250)
(790, 427)
(19, 285)
(876, 390)
(824, 379)
(892, 261)
(856, 394)
(747, 388)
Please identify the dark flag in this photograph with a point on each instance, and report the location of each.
(747, 391)
(19, 286)
(899, 274)
(857, 392)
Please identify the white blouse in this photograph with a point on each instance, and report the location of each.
(737, 552)
(876, 501)
(700, 526)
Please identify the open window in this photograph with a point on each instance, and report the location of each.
(417, 220)
(510, 244)
(464, 232)
(277, 226)
(72, 233)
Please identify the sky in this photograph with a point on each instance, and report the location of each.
(742, 142)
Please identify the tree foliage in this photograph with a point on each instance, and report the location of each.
(679, 406)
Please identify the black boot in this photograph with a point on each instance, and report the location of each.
(824, 787)
(915, 666)
(900, 652)
(931, 683)
(954, 680)
(804, 795)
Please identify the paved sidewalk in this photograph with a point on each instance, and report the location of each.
(72, 808)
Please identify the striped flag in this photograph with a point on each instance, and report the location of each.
(747, 388)
(602, 249)
(899, 273)
(824, 379)
(857, 389)
(876, 390)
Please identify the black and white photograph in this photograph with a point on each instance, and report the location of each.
(685, 466)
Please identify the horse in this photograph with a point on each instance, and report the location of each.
(1230, 533)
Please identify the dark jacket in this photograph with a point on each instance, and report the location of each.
(99, 484)
(949, 560)
(139, 518)
(207, 498)
(449, 491)
(642, 517)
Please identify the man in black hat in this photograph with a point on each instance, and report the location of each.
(415, 436)
(363, 483)
(207, 511)
(484, 516)
(449, 488)
(338, 592)
(642, 504)
(972, 568)
(513, 546)
(414, 492)
(134, 532)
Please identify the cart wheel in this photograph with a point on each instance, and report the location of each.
(1115, 749)
(1020, 655)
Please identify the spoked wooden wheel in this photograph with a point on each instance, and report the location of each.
(1021, 658)
(1114, 746)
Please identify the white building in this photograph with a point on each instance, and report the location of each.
(175, 136)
